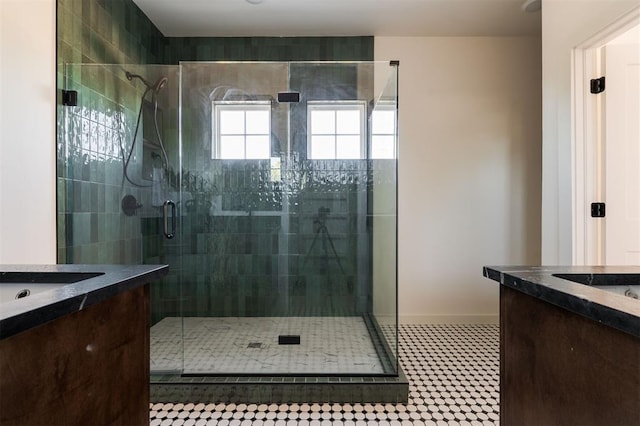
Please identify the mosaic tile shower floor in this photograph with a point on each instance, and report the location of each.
(328, 345)
(454, 381)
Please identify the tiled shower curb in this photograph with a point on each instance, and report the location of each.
(279, 389)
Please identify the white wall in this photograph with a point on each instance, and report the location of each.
(565, 25)
(469, 173)
(27, 131)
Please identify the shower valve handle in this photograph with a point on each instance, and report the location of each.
(165, 209)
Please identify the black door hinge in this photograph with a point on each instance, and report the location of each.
(597, 85)
(597, 209)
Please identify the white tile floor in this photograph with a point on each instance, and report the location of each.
(230, 345)
(453, 372)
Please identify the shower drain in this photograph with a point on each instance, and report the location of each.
(255, 345)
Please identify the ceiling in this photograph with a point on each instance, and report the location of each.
(211, 18)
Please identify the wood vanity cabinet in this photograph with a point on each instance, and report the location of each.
(561, 368)
(90, 367)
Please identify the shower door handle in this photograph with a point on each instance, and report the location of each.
(165, 208)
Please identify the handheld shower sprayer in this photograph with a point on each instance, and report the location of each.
(160, 84)
(154, 89)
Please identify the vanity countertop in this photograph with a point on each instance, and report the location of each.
(22, 314)
(592, 301)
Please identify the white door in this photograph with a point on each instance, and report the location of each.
(622, 152)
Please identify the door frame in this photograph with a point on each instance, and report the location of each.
(587, 141)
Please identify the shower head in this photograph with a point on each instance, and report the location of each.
(156, 87)
(131, 76)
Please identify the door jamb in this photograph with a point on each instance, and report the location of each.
(587, 155)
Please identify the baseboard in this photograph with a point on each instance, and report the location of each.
(448, 319)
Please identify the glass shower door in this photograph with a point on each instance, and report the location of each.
(235, 144)
(159, 161)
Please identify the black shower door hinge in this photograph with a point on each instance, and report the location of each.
(597, 85)
(69, 97)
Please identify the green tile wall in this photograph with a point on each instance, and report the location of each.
(261, 260)
(107, 32)
(91, 225)
(268, 49)
(229, 265)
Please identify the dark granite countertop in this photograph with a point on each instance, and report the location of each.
(607, 307)
(22, 314)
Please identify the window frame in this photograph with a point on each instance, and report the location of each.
(337, 105)
(217, 107)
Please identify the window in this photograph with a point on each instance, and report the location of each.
(241, 130)
(335, 130)
(383, 132)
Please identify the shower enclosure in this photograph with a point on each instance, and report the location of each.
(270, 190)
